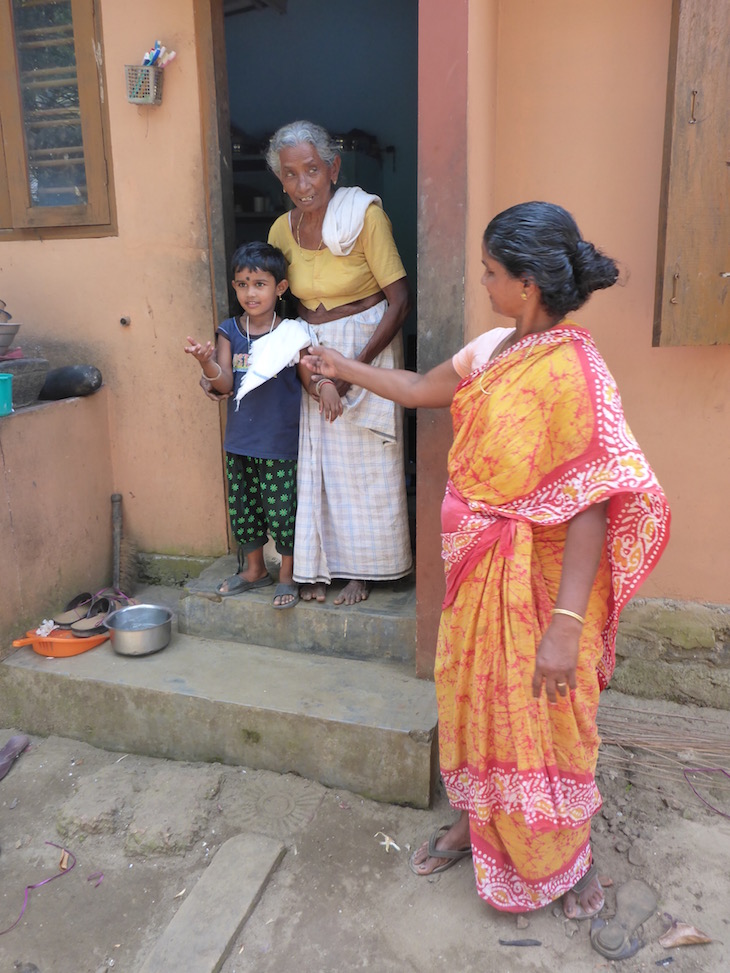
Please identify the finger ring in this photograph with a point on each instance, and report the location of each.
(561, 685)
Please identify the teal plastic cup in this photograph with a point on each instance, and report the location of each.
(6, 395)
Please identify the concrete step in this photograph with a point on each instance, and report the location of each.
(381, 629)
(366, 726)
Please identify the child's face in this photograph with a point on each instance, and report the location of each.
(257, 291)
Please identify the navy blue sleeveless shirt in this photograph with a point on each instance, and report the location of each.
(266, 425)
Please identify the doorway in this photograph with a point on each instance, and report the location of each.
(352, 68)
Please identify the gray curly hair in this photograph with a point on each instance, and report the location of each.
(294, 134)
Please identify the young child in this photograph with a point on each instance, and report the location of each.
(262, 429)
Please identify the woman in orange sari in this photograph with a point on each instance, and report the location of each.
(552, 518)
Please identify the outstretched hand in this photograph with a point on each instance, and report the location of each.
(203, 353)
(322, 361)
(326, 361)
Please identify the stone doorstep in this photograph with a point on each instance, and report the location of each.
(201, 933)
(346, 723)
(381, 629)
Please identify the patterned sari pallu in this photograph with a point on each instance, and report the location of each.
(539, 436)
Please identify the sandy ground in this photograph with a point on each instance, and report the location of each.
(141, 831)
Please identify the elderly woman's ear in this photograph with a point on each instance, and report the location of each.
(335, 170)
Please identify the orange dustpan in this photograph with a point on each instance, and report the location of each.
(61, 643)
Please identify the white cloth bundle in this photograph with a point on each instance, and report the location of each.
(274, 351)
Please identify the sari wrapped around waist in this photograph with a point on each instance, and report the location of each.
(539, 436)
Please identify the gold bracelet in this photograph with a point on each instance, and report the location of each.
(321, 382)
(564, 611)
(216, 377)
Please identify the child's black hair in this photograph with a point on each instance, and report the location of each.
(260, 256)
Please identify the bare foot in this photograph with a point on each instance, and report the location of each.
(584, 901)
(353, 592)
(314, 592)
(457, 838)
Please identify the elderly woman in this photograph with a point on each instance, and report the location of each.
(551, 520)
(351, 287)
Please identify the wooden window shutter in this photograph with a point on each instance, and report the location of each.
(693, 267)
(54, 157)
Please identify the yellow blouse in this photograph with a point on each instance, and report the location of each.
(319, 277)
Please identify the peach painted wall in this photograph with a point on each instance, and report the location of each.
(55, 508)
(70, 295)
(578, 119)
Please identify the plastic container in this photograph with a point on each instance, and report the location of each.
(61, 643)
(6, 394)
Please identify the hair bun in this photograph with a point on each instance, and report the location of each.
(593, 270)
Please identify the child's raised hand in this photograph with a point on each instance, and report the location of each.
(203, 353)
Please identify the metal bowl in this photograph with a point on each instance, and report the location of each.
(139, 629)
(7, 333)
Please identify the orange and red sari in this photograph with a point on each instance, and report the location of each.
(539, 435)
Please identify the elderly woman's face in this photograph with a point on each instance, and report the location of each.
(306, 179)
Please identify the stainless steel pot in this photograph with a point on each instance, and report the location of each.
(139, 629)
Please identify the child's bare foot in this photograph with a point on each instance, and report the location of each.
(353, 592)
(314, 592)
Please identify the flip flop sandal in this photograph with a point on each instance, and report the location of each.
(93, 624)
(237, 584)
(287, 589)
(452, 856)
(75, 610)
(580, 886)
(11, 751)
(616, 939)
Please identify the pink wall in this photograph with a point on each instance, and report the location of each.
(70, 294)
(55, 509)
(580, 94)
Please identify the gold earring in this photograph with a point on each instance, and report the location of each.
(524, 296)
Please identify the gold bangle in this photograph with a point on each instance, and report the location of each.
(321, 382)
(564, 611)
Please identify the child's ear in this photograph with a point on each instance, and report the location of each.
(282, 287)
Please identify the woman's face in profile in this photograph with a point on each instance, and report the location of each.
(306, 179)
(505, 291)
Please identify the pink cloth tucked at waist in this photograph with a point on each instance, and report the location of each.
(467, 533)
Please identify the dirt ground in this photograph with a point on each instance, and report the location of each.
(141, 832)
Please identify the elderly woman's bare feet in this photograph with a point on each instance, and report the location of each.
(456, 840)
(353, 592)
(313, 592)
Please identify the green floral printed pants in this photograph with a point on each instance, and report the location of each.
(262, 501)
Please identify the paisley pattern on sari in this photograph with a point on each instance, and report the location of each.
(539, 436)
